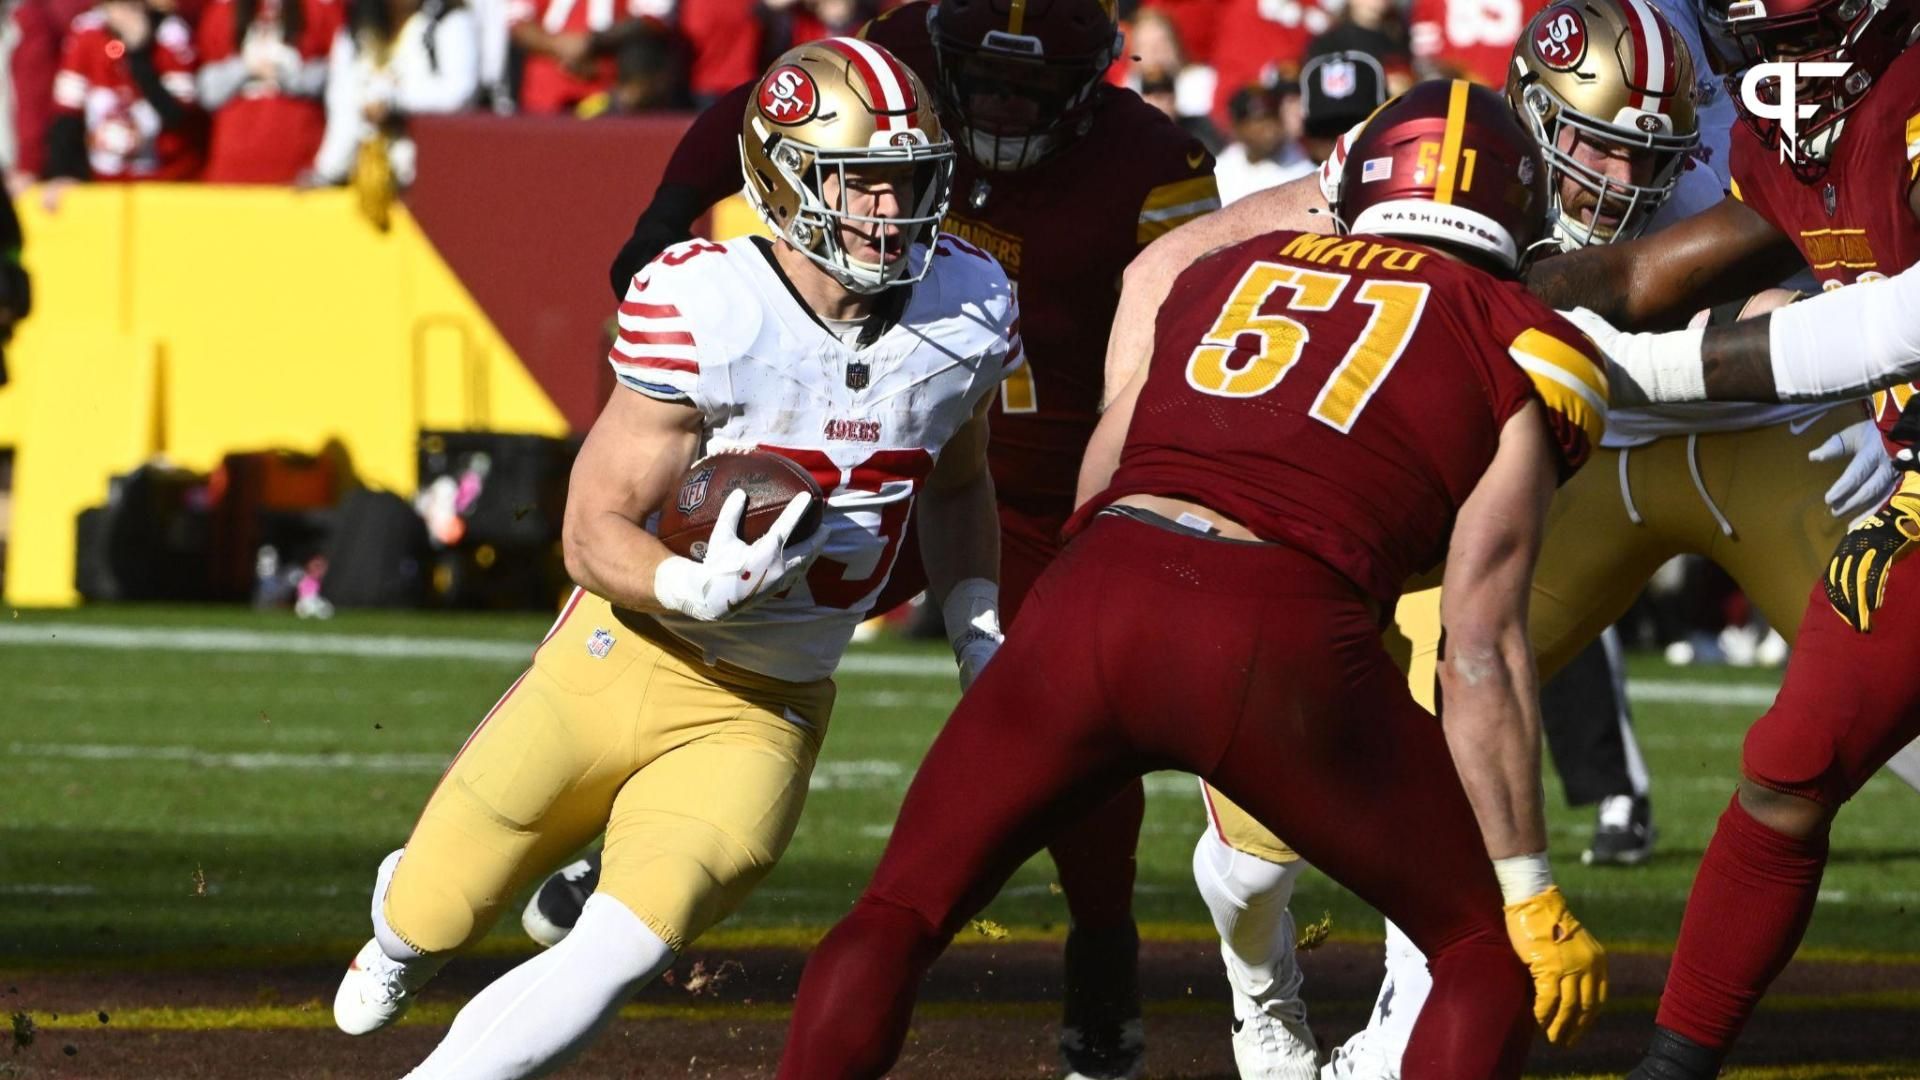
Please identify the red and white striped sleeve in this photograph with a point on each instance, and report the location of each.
(654, 351)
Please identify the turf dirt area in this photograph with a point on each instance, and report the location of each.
(195, 802)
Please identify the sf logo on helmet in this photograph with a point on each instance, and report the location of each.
(1785, 109)
(788, 95)
(1561, 40)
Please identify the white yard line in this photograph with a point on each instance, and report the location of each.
(398, 647)
(244, 761)
(365, 646)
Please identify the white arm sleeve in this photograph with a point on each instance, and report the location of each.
(1849, 342)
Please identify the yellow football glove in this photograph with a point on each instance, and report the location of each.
(1569, 967)
(1857, 574)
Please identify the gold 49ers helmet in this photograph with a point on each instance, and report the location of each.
(834, 107)
(1614, 73)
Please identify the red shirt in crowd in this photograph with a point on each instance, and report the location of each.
(269, 130)
(1256, 40)
(547, 87)
(125, 139)
(724, 39)
(43, 26)
(1470, 38)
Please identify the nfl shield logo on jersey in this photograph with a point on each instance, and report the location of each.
(600, 644)
(694, 491)
(857, 375)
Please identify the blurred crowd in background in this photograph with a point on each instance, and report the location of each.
(306, 91)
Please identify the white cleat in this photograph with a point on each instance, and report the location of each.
(1360, 1059)
(377, 989)
(1271, 1040)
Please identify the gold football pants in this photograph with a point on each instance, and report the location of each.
(1748, 500)
(697, 774)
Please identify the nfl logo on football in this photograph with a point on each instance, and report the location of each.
(694, 491)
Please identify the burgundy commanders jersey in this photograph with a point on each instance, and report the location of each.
(1345, 394)
(1063, 230)
(1852, 224)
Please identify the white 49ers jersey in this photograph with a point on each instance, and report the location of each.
(716, 327)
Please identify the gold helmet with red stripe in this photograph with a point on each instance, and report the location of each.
(836, 107)
(1614, 74)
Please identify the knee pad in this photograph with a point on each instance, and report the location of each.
(1792, 754)
(1247, 879)
(1248, 897)
(416, 914)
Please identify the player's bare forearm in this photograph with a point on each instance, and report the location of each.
(1722, 254)
(1491, 718)
(634, 455)
(959, 522)
(1736, 362)
(1296, 204)
(1491, 713)
(1097, 465)
(612, 557)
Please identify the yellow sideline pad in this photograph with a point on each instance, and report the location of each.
(195, 320)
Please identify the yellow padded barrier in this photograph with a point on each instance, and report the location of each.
(194, 320)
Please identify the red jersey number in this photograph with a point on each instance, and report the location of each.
(837, 584)
(1247, 353)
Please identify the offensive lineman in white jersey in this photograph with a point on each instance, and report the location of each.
(679, 705)
(1763, 490)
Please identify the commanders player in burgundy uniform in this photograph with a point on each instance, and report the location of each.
(1320, 419)
(1063, 179)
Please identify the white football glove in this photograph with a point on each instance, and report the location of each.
(1869, 476)
(735, 574)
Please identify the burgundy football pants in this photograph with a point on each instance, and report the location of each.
(1848, 703)
(1252, 665)
(1094, 854)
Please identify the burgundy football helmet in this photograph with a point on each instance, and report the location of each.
(1016, 76)
(1868, 34)
(1446, 163)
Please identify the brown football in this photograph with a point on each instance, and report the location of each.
(770, 481)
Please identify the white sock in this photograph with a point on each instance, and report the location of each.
(1248, 898)
(1402, 993)
(548, 1009)
(391, 943)
(1906, 764)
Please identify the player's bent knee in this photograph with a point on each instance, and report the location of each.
(1788, 761)
(428, 917)
(1788, 815)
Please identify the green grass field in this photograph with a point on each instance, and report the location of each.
(184, 787)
